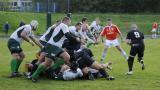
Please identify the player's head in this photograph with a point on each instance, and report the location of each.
(134, 27)
(84, 20)
(66, 20)
(58, 22)
(109, 21)
(34, 24)
(97, 21)
(78, 25)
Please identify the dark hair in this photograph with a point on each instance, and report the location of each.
(79, 23)
(65, 18)
(109, 19)
(84, 19)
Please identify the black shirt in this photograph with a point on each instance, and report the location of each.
(135, 36)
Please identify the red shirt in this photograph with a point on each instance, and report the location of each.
(110, 32)
(155, 26)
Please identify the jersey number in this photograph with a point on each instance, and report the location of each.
(137, 35)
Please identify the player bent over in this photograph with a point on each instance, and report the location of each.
(135, 40)
(54, 47)
(22, 33)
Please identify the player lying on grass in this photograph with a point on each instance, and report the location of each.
(84, 59)
(60, 71)
(22, 33)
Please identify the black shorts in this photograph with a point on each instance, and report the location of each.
(14, 46)
(139, 49)
(52, 51)
(84, 60)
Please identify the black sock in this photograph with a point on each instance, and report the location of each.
(130, 63)
(104, 73)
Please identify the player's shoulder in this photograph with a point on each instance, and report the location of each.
(105, 27)
(114, 25)
(62, 25)
(72, 27)
(28, 27)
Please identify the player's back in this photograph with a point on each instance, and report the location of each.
(136, 37)
(17, 34)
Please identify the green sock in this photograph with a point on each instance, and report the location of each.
(39, 70)
(13, 65)
(18, 64)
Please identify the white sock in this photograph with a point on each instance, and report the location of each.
(104, 54)
(124, 54)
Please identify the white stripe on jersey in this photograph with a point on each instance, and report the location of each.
(44, 35)
(27, 28)
(60, 28)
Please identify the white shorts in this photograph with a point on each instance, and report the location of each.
(111, 43)
(153, 30)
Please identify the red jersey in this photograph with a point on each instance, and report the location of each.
(155, 26)
(110, 32)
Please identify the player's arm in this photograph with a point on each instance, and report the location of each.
(26, 37)
(36, 41)
(71, 37)
(128, 40)
(102, 34)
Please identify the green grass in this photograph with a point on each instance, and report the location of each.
(140, 80)
(122, 20)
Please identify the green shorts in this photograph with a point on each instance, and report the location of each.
(14, 46)
(52, 51)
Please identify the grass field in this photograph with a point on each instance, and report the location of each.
(140, 80)
(122, 20)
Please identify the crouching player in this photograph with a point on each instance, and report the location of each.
(22, 33)
(54, 47)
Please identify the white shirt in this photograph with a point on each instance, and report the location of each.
(78, 33)
(95, 27)
(17, 34)
(58, 35)
(43, 37)
(70, 75)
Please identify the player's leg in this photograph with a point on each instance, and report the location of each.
(19, 61)
(14, 62)
(41, 68)
(97, 66)
(106, 46)
(65, 56)
(133, 52)
(41, 58)
(155, 35)
(119, 48)
(87, 74)
(140, 56)
(15, 50)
